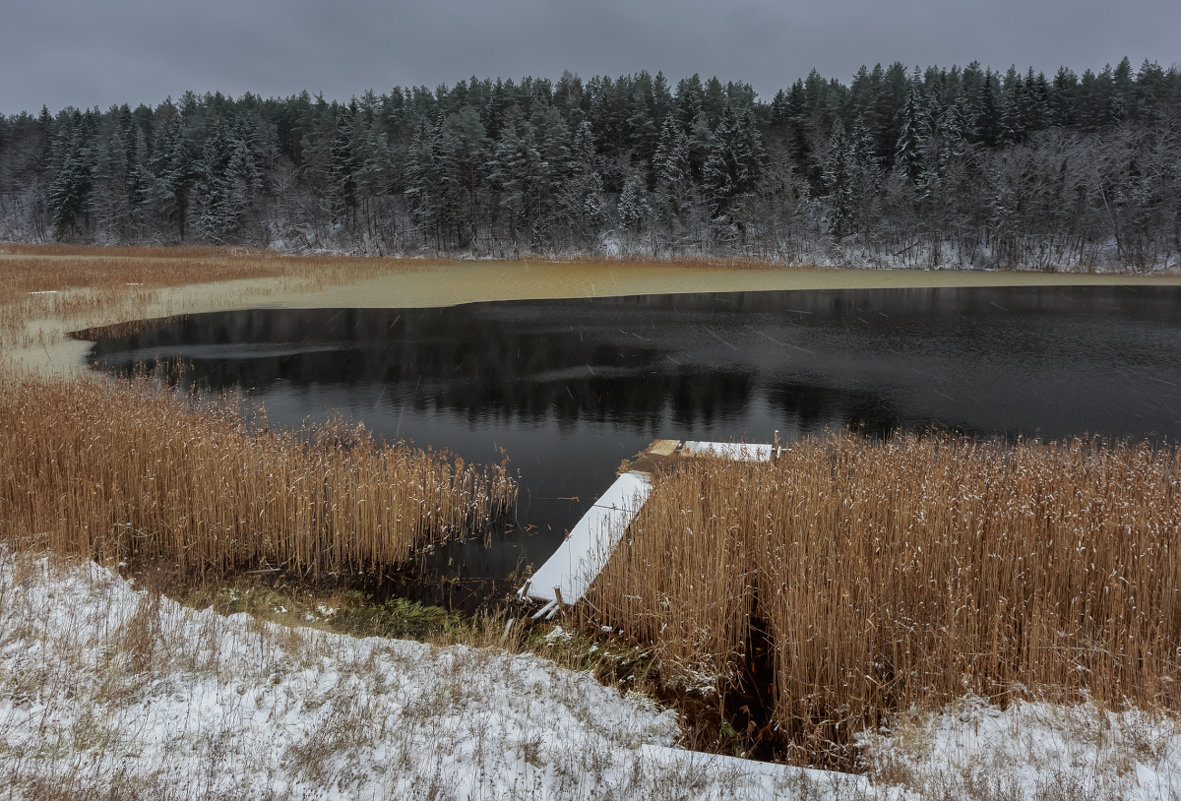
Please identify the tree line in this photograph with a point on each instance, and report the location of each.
(940, 167)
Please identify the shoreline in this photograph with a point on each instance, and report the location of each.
(452, 284)
(432, 283)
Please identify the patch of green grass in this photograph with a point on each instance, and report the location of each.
(344, 612)
(399, 618)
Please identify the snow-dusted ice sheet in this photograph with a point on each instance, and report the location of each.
(584, 553)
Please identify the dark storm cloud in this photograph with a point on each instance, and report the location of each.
(86, 53)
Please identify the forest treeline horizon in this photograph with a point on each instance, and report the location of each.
(943, 167)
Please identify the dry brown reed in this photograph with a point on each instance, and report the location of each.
(122, 471)
(72, 287)
(52, 272)
(900, 574)
(64, 281)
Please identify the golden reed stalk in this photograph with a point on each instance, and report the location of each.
(121, 471)
(896, 574)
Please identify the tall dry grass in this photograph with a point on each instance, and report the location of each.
(53, 270)
(901, 574)
(121, 471)
(81, 287)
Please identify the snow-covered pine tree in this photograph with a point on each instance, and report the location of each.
(466, 145)
(908, 152)
(342, 176)
(579, 200)
(515, 171)
(73, 154)
(674, 173)
(424, 180)
(108, 201)
(837, 179)
(632, 209)
(214, 214)
(172, 165)
(732, 168)
(554, 167)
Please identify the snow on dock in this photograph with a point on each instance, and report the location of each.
(566, 575)
(578, 561)
(738, 451)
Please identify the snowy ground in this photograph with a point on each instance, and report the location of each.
(1032, 750)
(107, 691)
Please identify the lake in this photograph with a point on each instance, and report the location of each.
(570, 388)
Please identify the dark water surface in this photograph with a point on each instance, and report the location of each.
(569, 388)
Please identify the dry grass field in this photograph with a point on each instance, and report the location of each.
(868, 579)
(123, 472)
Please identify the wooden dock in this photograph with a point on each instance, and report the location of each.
(578, 561)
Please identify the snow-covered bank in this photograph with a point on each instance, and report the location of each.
(1033, 750)
(105, 687)
(106, 691)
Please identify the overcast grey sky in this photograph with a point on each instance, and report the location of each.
(102, 52)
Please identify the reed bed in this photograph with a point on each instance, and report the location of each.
(51, 272)
(124, 471)
(889, 576)
(89, 286)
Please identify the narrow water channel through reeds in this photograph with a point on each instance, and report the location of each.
(856, 579)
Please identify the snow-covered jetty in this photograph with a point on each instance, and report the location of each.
(566, 576)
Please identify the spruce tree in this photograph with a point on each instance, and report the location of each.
(633, 208)
(732, 168)
(69, 191)
(466, 145)
(425, 170)
(908, 151)
(838, 181)
(674, 178)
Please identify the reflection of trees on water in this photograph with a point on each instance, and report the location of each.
(481, 367)
(641, 400)
(1052, 361)
(816, 408)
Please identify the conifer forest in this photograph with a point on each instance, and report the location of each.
(943, 167)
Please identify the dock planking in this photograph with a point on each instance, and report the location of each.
(578, 561)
